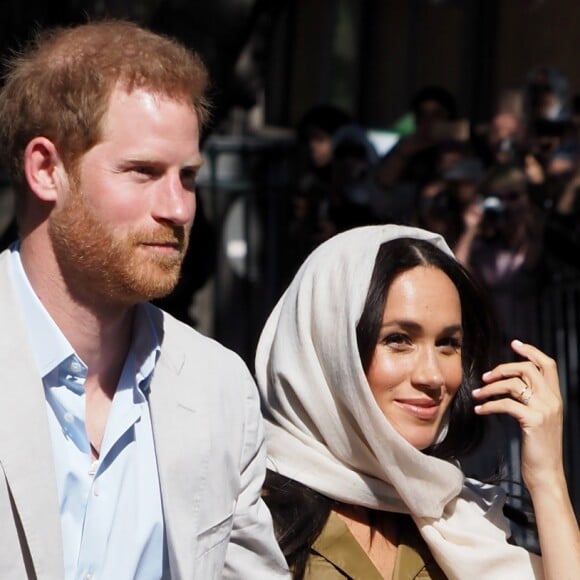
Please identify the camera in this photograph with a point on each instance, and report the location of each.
(493, 206)
(494, 215)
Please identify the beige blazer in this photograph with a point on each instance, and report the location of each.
(209, 441)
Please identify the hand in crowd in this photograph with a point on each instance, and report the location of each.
(472, 216)
(534, 170)
(567, 200)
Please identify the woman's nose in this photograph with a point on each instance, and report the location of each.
(427, 372)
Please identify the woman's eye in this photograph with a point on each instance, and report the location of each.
(396, 339)
(451, 343)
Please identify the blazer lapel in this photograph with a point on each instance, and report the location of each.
(25, 446)
(182, 446)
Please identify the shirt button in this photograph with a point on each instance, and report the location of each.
(68, 417)
(88, 576)
(96, 490)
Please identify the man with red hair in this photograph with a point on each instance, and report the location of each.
(130, 445)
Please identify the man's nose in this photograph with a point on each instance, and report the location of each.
(174, 203)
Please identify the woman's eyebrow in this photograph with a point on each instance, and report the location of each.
(412, 326)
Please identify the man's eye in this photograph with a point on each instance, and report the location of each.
(188, 178)
(143, 169)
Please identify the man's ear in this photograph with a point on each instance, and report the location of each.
(43, 168)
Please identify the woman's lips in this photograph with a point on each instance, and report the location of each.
(421, 408)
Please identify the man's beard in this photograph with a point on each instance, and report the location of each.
(96, 262)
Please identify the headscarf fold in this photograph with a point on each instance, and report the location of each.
(325, 430)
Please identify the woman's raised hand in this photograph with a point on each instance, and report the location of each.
(529, 391)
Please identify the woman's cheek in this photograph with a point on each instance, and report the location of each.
(386, 374)
(453, 376)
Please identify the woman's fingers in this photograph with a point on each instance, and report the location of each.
(538, 371)
(533, 382)
(528, 415)
(545, 364)
(516, 389)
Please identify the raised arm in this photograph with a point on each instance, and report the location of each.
(529, 391)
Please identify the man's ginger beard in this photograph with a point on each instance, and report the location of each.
(97, 261)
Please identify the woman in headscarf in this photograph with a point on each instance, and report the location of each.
(375, 372)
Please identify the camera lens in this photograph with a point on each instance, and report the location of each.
(493, 205)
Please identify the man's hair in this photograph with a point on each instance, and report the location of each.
(59, 87)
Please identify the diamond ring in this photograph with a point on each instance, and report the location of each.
(526, 395)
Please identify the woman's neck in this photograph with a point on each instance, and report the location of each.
(377, 532)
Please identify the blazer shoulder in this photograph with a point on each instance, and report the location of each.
(176, 336)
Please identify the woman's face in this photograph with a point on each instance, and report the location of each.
(416, 367)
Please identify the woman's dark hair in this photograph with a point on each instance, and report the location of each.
(300, 513)
(466, 429)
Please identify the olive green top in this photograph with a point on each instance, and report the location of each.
(336, 554)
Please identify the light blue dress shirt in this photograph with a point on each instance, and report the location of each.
(111, 512)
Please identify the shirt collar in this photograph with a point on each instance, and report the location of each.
(145, 346)
(51, 348)
(49, 345)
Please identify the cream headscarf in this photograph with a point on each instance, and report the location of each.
(325, 430)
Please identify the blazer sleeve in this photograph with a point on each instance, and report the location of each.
(253, 551)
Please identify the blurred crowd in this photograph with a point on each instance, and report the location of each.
(505, 194)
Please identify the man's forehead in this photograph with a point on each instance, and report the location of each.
(146, 122)
(123, 93)
(139, 104)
